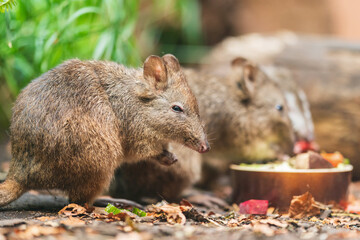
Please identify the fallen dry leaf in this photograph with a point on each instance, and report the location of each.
(270, 210)
(173, 214)
(118, 217)
(99, 213)
(303, 206)
(264, 229)
(46, 218)
(274, 222)
(344, 235)
(192, 213)
(11, 222)
(72, 210)
(134, 236)
(177, 214)
(74, 222)
(185, 202)
(52, 223)
(99, 216)
(35, 231)
(232, 223)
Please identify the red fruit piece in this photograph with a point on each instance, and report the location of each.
(304, 146)
(254, 207)
(300, 147)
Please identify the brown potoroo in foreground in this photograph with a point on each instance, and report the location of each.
(75, 124)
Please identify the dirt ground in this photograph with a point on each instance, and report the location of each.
(36, 215)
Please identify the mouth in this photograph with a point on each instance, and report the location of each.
(282, 148)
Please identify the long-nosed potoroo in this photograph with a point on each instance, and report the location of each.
(75, 124)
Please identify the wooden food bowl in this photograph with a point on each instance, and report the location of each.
(278, 187)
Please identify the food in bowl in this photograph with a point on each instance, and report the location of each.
(309, 160)
(278, 182)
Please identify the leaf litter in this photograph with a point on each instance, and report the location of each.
(306, 219)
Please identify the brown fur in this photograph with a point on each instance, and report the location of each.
(75, 124)
(150, 179)
(238, 104)
(239, 120)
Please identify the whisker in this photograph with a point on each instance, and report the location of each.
(211, 140)
(210, 135)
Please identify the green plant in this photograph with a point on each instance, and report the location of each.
(39, 34)
(6, 5)
(173, 27)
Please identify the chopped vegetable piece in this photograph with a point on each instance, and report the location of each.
(311, 160)
(334, 158)
(254, 207)
(346, 161)
(139, 212)
(112, 209)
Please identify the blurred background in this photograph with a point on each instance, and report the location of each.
(39, 34)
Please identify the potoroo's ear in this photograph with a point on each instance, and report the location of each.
(249, 78)
(155, 72)
(172, 63)
(246, 74)
(239, 62)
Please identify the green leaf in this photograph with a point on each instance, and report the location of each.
(103, 42)
(51, 41)
(11, 82)
(128, 30)
(79, 13)
(6, 5)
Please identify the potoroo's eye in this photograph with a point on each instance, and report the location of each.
(279, 107)
(177, 108)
